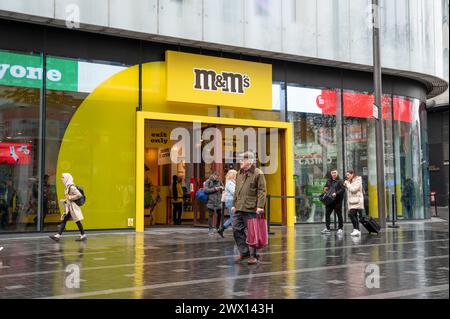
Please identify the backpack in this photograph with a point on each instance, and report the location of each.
(80, 201)
(202, 196)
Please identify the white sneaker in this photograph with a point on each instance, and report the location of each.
(355, 232)
(325, 231)
(1, 248)
(340, 232)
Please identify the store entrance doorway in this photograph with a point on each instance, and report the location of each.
(191, 148)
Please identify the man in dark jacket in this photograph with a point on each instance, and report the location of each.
(249, 200)
(335, 185)
(214, 187)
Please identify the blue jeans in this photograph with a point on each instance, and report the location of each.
(228, 205)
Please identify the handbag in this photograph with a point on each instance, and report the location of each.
(326, 198)
(202, 196)
(257, 232)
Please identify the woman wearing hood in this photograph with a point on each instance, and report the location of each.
(213, 187)
(71, 209)
(355, 199)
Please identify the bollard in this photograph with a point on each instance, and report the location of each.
(394, 213)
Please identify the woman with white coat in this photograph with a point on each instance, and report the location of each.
(227, 196)
(71, 209)
(355, 199)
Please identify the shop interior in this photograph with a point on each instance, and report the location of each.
(159, 170)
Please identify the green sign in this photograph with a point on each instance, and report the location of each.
(25, 70)
(69, 74)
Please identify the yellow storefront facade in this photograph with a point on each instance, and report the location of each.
(183, 90)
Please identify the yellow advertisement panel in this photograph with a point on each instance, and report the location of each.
(210, 80)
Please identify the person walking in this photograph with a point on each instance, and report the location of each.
(11, 199)
(177, 200)
(228, 194)
(355, 199)
(335, 186)
(248, 201)
(213, 187)
(71, 209)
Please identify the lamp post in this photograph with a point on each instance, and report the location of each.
(378, 113)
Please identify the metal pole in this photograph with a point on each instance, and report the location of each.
(394, 212)
(139, 107)
(378, 113)
(435, 205)
(40, 214)
(268, 216)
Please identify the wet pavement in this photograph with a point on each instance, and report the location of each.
(299, 263)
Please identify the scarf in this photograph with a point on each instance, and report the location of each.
(67, 181)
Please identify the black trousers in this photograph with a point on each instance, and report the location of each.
(210, 217)
(64, 222)
(337, 208)
(177, 211)
(353, 214)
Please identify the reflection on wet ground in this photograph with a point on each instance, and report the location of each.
(412, 262)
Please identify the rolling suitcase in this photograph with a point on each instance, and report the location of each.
(370, 224)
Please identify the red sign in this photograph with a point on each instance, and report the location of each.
(327, 102)
(361, 105)
(403, 109)
(15, 153)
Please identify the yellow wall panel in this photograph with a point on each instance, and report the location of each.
(98, 149)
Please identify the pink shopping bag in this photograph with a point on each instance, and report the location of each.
(257, 232)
